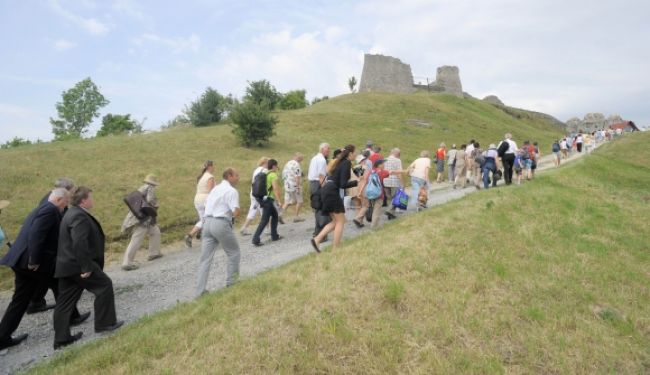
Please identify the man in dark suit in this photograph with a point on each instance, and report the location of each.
(79, 266)
(32, 258)
(38, 303)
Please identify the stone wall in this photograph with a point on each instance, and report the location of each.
(387, 74)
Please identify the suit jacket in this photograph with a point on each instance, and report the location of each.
(37, 241)
(81, 244)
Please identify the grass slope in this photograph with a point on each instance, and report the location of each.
(114, 166)
(550, 277)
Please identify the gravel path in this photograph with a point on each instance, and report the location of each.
(163, 283)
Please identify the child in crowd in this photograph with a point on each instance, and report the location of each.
(519, 167)
(423, 197)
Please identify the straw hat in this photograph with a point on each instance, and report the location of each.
(151, 180)
(3, 204)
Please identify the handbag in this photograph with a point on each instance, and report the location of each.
(139, 206)
(401, 199)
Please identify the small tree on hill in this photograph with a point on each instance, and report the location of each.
(294, 100)
(79, 107)
(253, 123)
(318, 100)
(207, 109)
(352, 82)
(262, 93)
(118, 124)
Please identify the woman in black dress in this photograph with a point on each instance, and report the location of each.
(338, 177)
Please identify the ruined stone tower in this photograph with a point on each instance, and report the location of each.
(385, 73)
(448, 78)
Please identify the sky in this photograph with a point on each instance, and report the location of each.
(151, 58)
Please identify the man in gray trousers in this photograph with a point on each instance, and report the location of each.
(221, 208)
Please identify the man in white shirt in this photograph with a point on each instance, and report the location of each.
(316, 175)
(221, 208)
(508, 158)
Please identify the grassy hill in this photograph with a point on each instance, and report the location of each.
(550, 277)
(114, 166)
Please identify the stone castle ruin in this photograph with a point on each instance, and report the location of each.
(389, 74)
(592, 122)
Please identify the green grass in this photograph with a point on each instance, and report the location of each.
(114, 166)
(551, 278)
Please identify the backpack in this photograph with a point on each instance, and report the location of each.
(503, 147)
(556, 147)
(525, 153)
(259, 186)
(373, 189)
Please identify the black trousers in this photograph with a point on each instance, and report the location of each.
(70, 289)
(38, 298)
(320, 219)
(508, 161)
(268, 213)
(26, 284)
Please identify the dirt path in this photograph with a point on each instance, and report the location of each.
(163, 283)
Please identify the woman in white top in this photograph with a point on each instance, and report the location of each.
(255, 207)
(205, 183)
(419, 172)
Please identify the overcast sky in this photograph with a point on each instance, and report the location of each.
(562, 57)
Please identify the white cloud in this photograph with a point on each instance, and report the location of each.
(133, 10)
(319, 62)
(176, 44)
(63, 45)
(91, 25)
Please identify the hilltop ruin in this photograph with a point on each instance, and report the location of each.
(389, 74)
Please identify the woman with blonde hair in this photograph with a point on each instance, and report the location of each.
(339, 172)
(204, 184)
(255, 207)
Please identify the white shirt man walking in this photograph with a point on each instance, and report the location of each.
(221, 207)
(316, 175)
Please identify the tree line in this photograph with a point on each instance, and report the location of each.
(251, 117)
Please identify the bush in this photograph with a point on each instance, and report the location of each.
(262, 93)
(16, 142)
(294, 100)
(207, 109)
(118, 124)
(317, 99)
(253, 123)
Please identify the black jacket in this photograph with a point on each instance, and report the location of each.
(81, 244)
(37, 241)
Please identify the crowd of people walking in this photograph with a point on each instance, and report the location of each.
(60, 245)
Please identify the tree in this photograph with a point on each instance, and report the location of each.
(207, 109)
(118, 124)
(262, 93)
(352, 82)
(79, 107)
(253, 123)
(294, 100)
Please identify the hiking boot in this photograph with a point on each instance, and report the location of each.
(130, 267)
(244, 232)
(188, 241)
(154, 257)
(390, 215)
(358, 223)
(298, 219)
